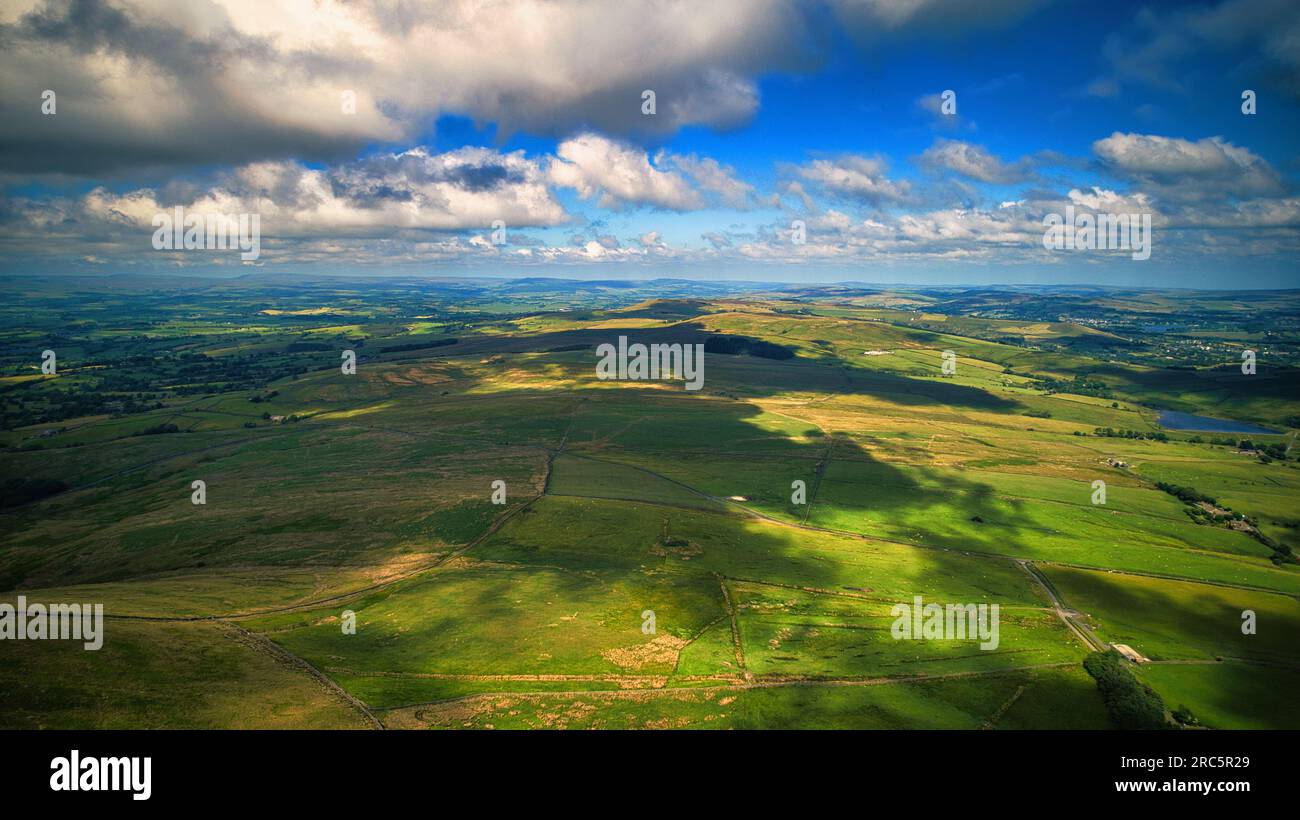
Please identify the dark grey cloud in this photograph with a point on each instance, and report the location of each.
(138, 93)
(222, 82)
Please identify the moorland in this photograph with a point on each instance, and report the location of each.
(336, 498)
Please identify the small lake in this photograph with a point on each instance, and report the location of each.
(1173, 420)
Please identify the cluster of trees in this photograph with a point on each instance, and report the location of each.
(198, 373)
(1150, 435)
(1130, 703)
(1282, 553)
(52, 405)
(129, 385)
(1079, 385)
(1187, 494)
(1266, 452)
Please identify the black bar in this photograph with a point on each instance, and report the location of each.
(329, 770)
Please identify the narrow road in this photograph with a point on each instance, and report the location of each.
(1066, 615)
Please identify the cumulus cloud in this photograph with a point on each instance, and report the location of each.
(717, 240)
(1184, 169)
(617, 174)
(974, 162)
(410, 196)
(971, 234)
(715, 178)
(147, 83)
(468, 188)
(255, 89)
(856, 177)
(1104, 200)
(144, 84)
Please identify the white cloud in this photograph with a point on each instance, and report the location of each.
(464, 189)
(147, 83)
(717, 240)
(618, 174)
(974, 162)
(1103, 200)
(404, 198)
(715, 178)
(1182, 169)
(856, 177)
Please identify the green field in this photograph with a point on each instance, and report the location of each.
(333, 497)
(1229, 696)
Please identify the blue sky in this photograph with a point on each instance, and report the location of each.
(769, 114)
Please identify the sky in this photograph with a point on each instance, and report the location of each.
(915, 141)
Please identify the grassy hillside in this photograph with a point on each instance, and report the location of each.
(333, 495)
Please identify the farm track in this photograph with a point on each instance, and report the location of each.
(1066, 615)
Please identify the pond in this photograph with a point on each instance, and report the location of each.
(1173, 420)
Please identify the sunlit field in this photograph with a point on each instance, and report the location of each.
(356, 563)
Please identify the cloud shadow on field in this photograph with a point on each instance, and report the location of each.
(357, 475)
